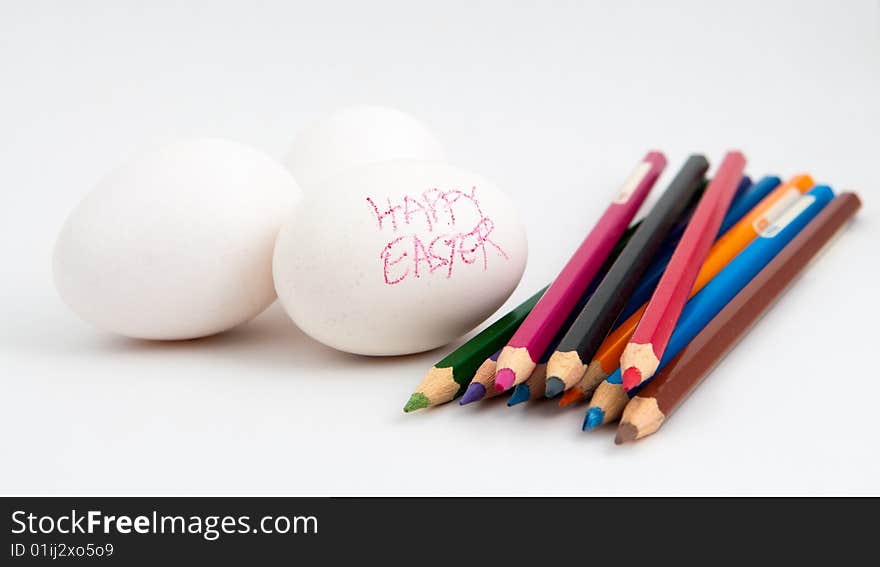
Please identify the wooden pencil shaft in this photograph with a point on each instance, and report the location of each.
(603, 308)
(536, 382)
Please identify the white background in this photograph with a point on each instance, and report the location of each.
(555, 101)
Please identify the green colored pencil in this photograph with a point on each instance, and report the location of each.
(451, 376)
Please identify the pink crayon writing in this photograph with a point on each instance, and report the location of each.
(423, 243)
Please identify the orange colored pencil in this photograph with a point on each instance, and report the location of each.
(722, 252)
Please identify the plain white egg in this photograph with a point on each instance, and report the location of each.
(176, 244)
(398, 257)
(358, 135)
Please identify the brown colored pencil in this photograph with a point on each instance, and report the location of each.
(650, 408)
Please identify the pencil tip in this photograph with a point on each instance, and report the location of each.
(594, 418)
(631, 378)
(554, 387)
(474, 392)
(626, 432)
(504, 379)
(520, 394)
(416, 402)
(569, 397)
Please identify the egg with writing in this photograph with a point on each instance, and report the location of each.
(398, 257)
(176, 244)
(358, 135)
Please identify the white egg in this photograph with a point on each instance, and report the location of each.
(398, 257)
(359, 135)
(178, 243)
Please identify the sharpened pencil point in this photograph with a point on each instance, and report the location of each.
(626, 432)
(554, 387)
(570, 396)
(520, 394)
(594, 418)
(416, 402)
(474, 393)
(504, 379)
(631, 378)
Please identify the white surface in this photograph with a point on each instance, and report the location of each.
(441, 249)
(553, 101)
(358, 135)
(176, 244)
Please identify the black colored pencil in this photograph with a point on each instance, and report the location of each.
(568, 364)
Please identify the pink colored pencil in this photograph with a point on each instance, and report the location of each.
(643, 352)
(520, 357)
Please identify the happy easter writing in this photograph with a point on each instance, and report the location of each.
(426, 236)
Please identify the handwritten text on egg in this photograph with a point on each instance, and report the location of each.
(436, 230)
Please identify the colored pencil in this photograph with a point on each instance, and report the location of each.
(647, 411)
(568, 363)
(731, 243)
(648, 342)
(480, 385)
(520, 356)
(446, 379)
(610, 397)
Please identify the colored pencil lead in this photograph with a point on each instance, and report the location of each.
(594, 418)
(521, 393)
(474, 393)
(626, 432)
(504, 379)
(416, 402)
(555, 386)
(632, 377)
